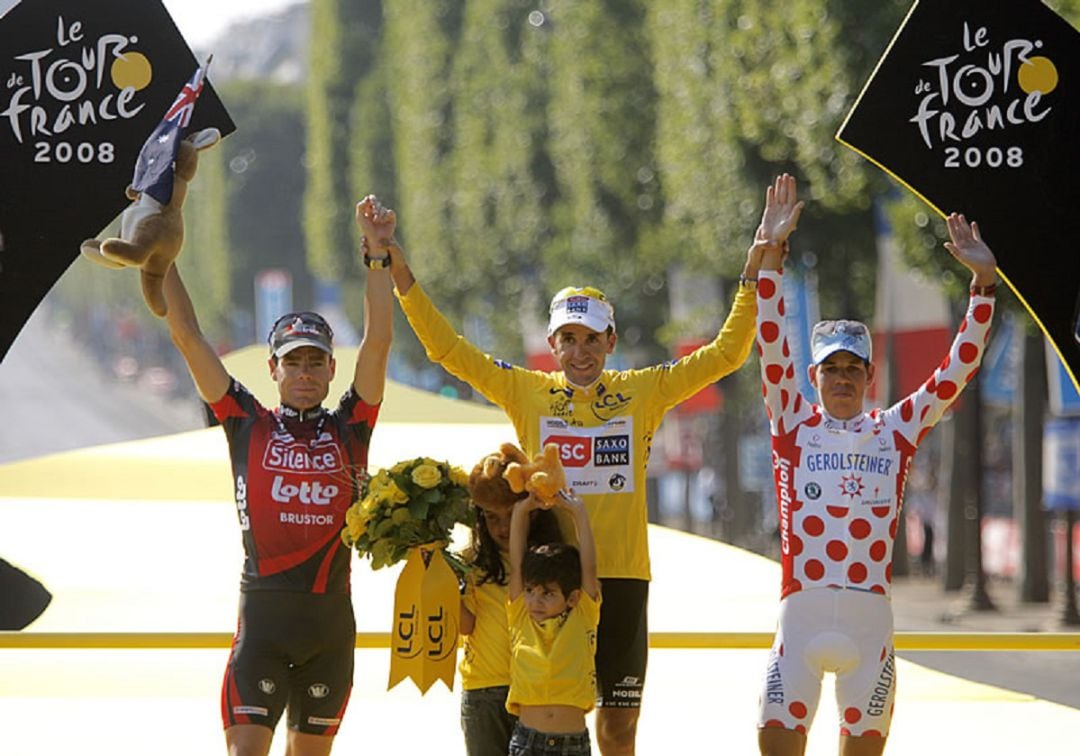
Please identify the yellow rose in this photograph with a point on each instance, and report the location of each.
(459, 477)
(426, 476)
(395, 495)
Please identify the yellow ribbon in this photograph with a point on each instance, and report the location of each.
(427, 613)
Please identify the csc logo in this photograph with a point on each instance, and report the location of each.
(573, 451)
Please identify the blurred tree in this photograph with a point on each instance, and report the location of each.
(344, 40)
(499, 170)
(265, 180)
(602, 116)
(419, 45)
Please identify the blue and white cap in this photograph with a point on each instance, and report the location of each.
(586, 306)
(830, 336)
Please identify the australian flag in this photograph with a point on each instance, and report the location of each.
(154, 168)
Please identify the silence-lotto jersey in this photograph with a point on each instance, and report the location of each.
(839, 484)
(293, 480)
(605, 431)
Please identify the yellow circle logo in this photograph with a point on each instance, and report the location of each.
(1038, 75)
(132, 70)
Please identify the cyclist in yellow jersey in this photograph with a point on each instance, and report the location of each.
(603, 421)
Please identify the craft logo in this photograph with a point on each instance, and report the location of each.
(986, 86)
(77, 80)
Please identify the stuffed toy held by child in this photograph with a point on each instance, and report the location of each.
(543, 476)
(152, 234)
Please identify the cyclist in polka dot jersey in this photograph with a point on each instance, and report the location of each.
(839, 472)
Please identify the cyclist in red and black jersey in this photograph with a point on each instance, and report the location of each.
(296, 469)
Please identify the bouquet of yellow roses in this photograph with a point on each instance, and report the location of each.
(415, 502)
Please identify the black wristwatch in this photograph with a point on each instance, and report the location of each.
(376, 263)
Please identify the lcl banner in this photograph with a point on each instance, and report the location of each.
(82, 85)
(975, 107)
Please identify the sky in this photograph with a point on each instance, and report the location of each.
(200, 21)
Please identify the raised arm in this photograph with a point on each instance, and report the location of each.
(778, 221)
(206, 368)
(966, 245)
(783, 402)
(519, 543)
(377, 224)
(569, 501)
(921, 410)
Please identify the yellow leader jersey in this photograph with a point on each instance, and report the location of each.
(552, 662)
(485, 659)
(604, 431)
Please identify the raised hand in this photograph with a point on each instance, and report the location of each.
(969, 249)
(782, 210)
(376, 222)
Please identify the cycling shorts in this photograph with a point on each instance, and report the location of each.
(846, 632)
(292, 651)
(622, 643)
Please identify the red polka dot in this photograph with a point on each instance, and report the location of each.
(969, 352)
(782, 308)
(881, 511)
(764, 389)
(857, 572)
(947, 390)
(859, 528)
(797, 709)
(852, 715)
(922, 434)
(982, 313)
(838, 512)
(870, 734)
(766, 288)
(769, 331)
(877, 589)
(800, 728)
(773, 373)
(963, 326)
(845, 731)
(798, 403)
(888, 573)
(815, 570)
(786, 349)
(946, 362)
(906, 410)
(784, 398)
(925, 410)
(837, 550)
(813, 525)
(892, 527)
(774, 723)
(790, 372)
(878, 549)
(796, 585)
(931, 385)
(795, 545)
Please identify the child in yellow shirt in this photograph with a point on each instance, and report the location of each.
(485, 662)
(553, 613)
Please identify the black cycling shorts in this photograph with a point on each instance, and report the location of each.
(295, 651)
(622, 642)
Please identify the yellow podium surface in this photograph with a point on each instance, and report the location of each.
(142, 537)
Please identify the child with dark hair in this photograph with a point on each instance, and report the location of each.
(485, 662)
(553, 613)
